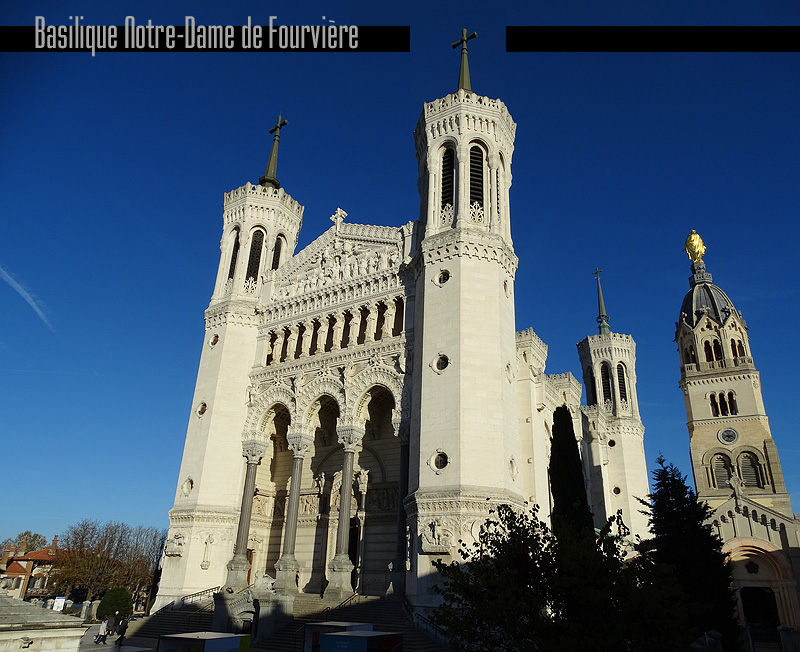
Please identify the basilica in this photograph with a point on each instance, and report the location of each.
(362, 404)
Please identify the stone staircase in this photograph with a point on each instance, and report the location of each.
(194, 617)
(385, 614)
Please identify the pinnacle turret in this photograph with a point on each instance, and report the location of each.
(463, 73)
(602, 317)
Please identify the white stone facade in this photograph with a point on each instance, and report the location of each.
(376, 378)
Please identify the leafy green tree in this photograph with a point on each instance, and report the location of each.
(685, 543)
(35, 541)
(116, 599)
(514, 594)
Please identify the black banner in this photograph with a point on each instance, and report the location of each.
(650, 39)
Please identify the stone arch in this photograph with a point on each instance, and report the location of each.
(360, 387)
(266, 402)
(313, 392)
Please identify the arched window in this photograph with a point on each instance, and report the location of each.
(276, 256)
(254, 262)
(717, 350)
(234, 255)
(448, 201)
(623, 392)
(708, 352)
(605, 377)
(722, 471)
(723, 405)
(714, 406)
(475, 176)
(591, 388)
(750, 470)
(733, 347)
(732, 407)
(740, 348)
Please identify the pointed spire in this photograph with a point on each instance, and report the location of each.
(463, 73)
(602, 318)
(269, 178)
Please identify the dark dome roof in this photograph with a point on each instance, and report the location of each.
(704, 299)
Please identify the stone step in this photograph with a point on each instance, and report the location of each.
(385, 615)
(179, 621)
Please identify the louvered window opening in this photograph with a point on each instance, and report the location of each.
(606, 379)
(255, 255)
(476, 176)
(234, 256)
(623, 391)
(448, 172)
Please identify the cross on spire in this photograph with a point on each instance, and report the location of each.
(602, 318)
(463, 73)
(269, 178)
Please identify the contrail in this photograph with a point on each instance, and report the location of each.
(26, 296)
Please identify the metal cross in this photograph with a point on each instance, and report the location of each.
(277, 127)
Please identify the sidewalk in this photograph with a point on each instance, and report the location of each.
(130, 645)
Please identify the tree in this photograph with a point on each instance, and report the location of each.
(35, 541)
(513, 594)
(570, 506)
(684, 542)
(93, 557)
(116, 599)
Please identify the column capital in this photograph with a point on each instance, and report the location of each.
(299, 442)
(254, 445)
(350, 437)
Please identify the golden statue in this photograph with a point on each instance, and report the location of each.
(694, 247)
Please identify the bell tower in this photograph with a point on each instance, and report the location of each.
(616, 458)
(260, 228)
(464, 445)
(731, 443)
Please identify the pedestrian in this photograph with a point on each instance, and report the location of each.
(110, 624)
(101, 635)
(121, 629)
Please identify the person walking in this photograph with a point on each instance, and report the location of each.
(100, 637)
(121, 629)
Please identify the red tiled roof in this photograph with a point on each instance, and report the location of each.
(15, 567)
(43, 554)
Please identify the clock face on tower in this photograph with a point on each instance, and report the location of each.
(728, 436)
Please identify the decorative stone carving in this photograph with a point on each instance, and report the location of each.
(207, 543)
(253, 450)
(447, 214)
(437, 537)
(174, 545)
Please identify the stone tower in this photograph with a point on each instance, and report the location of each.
(615, 442)
(729, 432)
(260, 229)
(734, 458)
(464, 446)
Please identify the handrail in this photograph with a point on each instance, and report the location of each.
(423, 622)
(320, 616)
(192, 597)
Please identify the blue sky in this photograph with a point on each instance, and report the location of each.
(113, 171)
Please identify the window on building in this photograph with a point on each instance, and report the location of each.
(732, 407)
(740, 348)
(234, 255)
(448, 178)
(723, 472)
(591, 388)
(714, 406)
(276, 256)
(707, 350)
(254, 262)
(623, 391)
(723, 405)
(750, 470)
(475, 176)
(717, 350)
(605, 377)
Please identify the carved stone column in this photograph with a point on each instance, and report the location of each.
(399, 564)
(286, 567)
(253, 448)
(340, 567)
